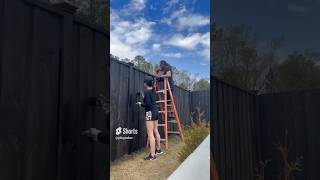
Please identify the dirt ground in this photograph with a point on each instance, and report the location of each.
(134, 167)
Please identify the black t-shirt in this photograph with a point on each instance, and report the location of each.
(149, 100)
(170, 79)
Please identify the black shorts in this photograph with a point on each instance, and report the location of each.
(152, 116)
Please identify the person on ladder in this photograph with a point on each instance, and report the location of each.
(151, 117)
(165, 71)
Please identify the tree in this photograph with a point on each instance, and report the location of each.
(236, 58)
(94, 11)
(143, 64)
(201, 85)
(183, 78)
(300, 70)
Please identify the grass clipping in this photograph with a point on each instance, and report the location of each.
(193, 136)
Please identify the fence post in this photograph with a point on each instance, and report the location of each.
(65, 91)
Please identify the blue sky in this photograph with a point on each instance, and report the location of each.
(174, 30)
(296, 20)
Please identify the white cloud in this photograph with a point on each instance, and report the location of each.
(186, 42)
(169, 5)
(192, 21)
(183, 19)
(190, 41)
(205, 49)
(122, 50)
(156, 47)
(205, 52)
(173, 55)
(197, 42)
(169, 20)
(129, 37)
(133, 7)
(135, 35)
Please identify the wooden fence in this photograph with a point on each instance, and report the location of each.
(246, 128)
(296, 113)
(234, 143)
(126, 81)
(50, 64)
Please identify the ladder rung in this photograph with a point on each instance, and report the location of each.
(161, 124)
(162, 140)
(172, 121)
(164, 111)
(162, 101)
(174, 132)
(161, 91)
(167, 104)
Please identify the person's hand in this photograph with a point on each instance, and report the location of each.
(92, 133)
(138, 103)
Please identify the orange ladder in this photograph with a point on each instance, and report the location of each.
(168, 111)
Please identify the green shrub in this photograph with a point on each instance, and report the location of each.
(193, 136)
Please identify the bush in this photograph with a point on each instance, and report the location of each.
(193, 136)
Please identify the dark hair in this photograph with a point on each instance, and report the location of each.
(148, 80)
(164, 63)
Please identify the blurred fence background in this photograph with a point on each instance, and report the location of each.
(247, 128)
(51, 63)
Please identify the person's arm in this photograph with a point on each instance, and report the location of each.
(97, 135)
(147, 102)
(157, 71)
(167, 75)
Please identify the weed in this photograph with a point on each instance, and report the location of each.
(193, 136)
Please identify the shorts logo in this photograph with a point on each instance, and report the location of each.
(118, 130)
(148, 115)
(123, 133)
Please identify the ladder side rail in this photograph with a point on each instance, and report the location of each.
(165, 113)
(160, 99)
(161, 108)
(175, 111)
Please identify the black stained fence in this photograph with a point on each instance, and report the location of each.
(50, 64)
(298, 115)
(246, 129)
(233, 134)
(200, 103)
(126, 82)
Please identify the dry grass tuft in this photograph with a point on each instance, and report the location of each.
(260, 169)
(289, 167)
(193, 136)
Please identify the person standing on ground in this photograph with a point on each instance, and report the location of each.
(151, 118)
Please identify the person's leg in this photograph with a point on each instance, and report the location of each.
(157, 135)
(151, 139)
